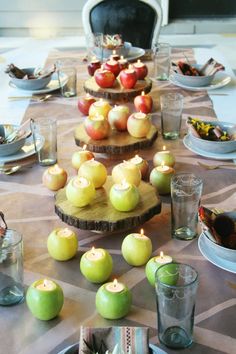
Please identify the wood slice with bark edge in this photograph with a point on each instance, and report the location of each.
(116, 143)
(100, 215)
(117, 92)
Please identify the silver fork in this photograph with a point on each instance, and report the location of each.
(35, 98)
(214, 167)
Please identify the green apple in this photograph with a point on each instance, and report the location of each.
(136, 249)
(153, 264)
(160, 178)
(62, 244)
(124, 196)
(80, 157)
(94, 171)
(80, 191)
(168, 274)
(96, 265)
(45, 299)
(113, 305)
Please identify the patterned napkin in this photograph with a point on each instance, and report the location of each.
(126, 339)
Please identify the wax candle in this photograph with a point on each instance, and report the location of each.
(54, 177)
(143, 103)
(124, 196)
(94, 171)
(160, 178)
(136, 248)
(93, 66)
(123, 63)
(80, 157)
(128, 77)
(153, 264)
(113, 66)
(96, 265)
(140, 69)
(126, 171)
(45, 299)
(114, 55)
(80, 191)
(165, 157)
(118, 116)
(141, 164)
(100, 107)
(84, 103)
(139, 124)
(113, 300)
(62, 244)
(97, 127)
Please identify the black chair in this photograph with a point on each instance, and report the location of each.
(138, 21)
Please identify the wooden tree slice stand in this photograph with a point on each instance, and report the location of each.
(100, 215)
(117, 92)
(116, 143)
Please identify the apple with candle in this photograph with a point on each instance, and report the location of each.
(96, 265)
(113, 66)
(80, 157)
(44, 299)
(100, 107)
(80, 191)
(153, 264)
(84, 103)
(123, 63)
(128, 77)
(104, 78)
(165, 157)
(126, 171)
(124, 196)
(62, 244)
(136, 249)
(54, 177)
(160, 178)
(97, 127)
(143, 103)
(118, 116)
(139, 124)
(93, 66)
(113, 300)
(94, 171)
(140, 69)
(141, 164)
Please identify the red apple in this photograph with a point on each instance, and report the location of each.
(54, 178)
(118, 116)
(80, 157)
(143, 103)
(97, 127)
(113, 66)
(128, 78)
(84, 103)
(140, 69)
(104, 78)
(93, 66)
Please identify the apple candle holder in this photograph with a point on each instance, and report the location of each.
(126, 171)
(54, 177)
(84, 103)
(81, 156)
(113, 66)
(128, 77)
(124, 196)
(160, 178)
(62, 244)
(93, 66)
(141, 164)
(104, 78)
(123, 63)
(94, 171)
(140, 69)
(80, 191)
(100, 107)
(97, 127)
(143, 103)
(118, 116)
(153, 264)
(165, 157)
(139, 124)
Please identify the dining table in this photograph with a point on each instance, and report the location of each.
(29, 208)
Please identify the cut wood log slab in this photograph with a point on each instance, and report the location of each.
(100, 214)
(116, 143)
(117, 92)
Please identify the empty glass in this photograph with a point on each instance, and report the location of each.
(161, 61)
(176, 286)
(171, 115)
(68, 88)
(94, 44)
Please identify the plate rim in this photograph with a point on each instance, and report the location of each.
(210, 155)
(137, 49)
(226, 77)
(216, 259)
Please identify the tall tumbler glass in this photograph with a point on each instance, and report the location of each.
(186, 190)
(94, 44)
(11, 268)
(171, 115)
(161, 61)
(176, 286)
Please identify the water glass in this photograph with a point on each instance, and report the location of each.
(47, 129)
(11, 268)
(68, 88)
(94, 44)
(171, 115)
(161, 61)
(186, 190)
(176, 286)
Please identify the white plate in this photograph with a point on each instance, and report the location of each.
(221, 79)
(207, 253)
(27, 150)
(135, 53)
(188, 143)
(52, 86)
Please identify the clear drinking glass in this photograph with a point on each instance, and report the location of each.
(186, 190)
(68, 89)
(161, 61)
(94, 44)
(47, 129)
(11, 268)
(171, 115)
(176, 286)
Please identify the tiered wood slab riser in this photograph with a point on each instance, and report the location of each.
(117, 92)
(116, 143)
(100, 215)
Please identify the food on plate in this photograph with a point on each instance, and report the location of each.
(207, 131)
(208, 69)
(18, 73)
(112, 41)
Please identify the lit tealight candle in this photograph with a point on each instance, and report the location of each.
(123, 63)
(141, 164)
(160, 178)
(140, 69)
(165, 157)
(96, 265)
(139, 124)
(46, 285)
(100, 107)
(113, 300)
(154, 263)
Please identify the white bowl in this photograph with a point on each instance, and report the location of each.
(31, 84)
(194, 81)
(123, 50)
(7, 149)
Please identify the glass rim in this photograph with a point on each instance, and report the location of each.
(44, 120)
(13, 244)
(176, 176)
(172, 96)
(177, 286)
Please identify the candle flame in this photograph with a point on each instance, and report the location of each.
(93, 250)
(143, 93)
(139, 61)
(87, 95)
(122, 57)
(141, 232)
(163, 164)
(94, 58)
(45, 283)
(101, 100)
(114, 52)
(164, 148)
(130, 66)
(84, 147)
(162, 254)
(115, 282)
(136, 156)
